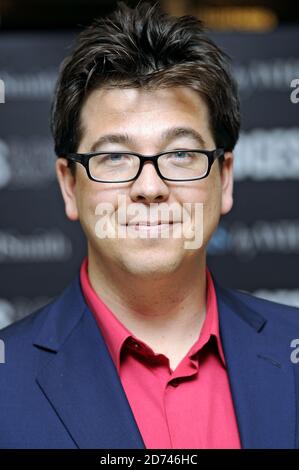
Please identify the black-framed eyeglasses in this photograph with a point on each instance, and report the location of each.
(122, 167)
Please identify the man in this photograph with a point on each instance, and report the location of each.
(144, 349)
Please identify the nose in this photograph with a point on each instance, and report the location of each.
(149, 187)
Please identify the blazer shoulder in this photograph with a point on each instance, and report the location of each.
(267, 308)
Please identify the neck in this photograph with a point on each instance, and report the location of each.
(162, 308)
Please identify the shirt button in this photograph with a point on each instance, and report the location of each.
(175, 382)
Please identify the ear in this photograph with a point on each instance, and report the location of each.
(227, 183)
(67, 183)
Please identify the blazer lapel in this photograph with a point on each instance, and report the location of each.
(260, 374)
(79, 378)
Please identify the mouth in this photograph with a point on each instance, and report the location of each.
(152, 228)
(149, 224)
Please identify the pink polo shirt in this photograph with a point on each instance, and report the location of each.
(188, 408)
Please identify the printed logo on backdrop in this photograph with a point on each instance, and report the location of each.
(5, 170)
(7, 313)
(270, 74)
(281, 296)
(14, 309)
(267, 155)
(26, 163)
(246, 241)
(40, 246)
(33, 86)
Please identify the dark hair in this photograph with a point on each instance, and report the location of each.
(145, 47)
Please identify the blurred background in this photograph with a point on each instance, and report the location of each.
(256, 247)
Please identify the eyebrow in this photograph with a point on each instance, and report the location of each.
(167, 136)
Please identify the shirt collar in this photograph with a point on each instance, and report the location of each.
(210, 326)
(116, 334)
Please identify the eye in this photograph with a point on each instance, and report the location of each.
(182, 154)
(115, 156)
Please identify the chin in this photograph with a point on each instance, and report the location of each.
(155, 266)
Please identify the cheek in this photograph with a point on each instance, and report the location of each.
(91, 201)
(212, 208)
(208, 193)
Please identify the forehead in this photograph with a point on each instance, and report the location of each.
(141, 112)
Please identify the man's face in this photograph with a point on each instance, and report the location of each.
(145, 117)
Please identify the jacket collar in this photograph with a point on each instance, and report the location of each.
(78, 377)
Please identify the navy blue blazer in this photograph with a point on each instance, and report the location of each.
(59, 387)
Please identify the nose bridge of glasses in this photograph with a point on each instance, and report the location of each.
(153, 159)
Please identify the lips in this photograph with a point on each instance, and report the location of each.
(150, 223)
